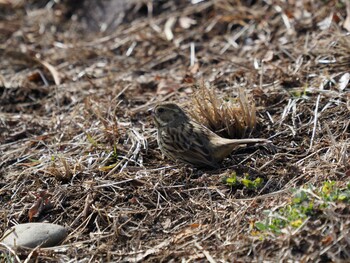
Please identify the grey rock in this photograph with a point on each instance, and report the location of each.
(31, 235)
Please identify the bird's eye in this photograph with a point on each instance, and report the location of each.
(160, 110)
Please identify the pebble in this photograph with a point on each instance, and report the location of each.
(31, 235)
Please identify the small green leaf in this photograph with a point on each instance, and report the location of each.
(299, 197)
(232, 181)
(327, 187)
(261, 226)
(296, 223)
(91, 140)
(343, 197)
(248, 183)
(258, 182)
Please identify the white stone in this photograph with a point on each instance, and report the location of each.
(31, 235)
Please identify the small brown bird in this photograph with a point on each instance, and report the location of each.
(182, 139)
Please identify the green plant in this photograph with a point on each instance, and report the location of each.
(234, 181)
(306, 202)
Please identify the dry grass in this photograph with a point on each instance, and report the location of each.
(75, 127)
(230, 117)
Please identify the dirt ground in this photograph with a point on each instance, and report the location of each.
(78, 145)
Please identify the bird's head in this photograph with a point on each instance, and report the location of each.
(168, 114)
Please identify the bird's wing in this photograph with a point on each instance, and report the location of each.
(192, 146)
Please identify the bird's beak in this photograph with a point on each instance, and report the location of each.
(153, 115)
(151, 112)
(156, 122)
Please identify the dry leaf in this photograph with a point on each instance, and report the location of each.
(268, 56)
(346, 23)
(52, 70)
(168, 28)
(343, 81)
(5, 2)
(347, 173)
(194, 69)
(166, 86)
(167, 223)
(327, 240)
(186, 22)
(325, 23)
(41, 204)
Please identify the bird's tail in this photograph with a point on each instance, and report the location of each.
(247, 141)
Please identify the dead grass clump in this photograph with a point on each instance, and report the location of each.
(230, 117)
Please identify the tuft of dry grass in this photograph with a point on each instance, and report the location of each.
(228, 116)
